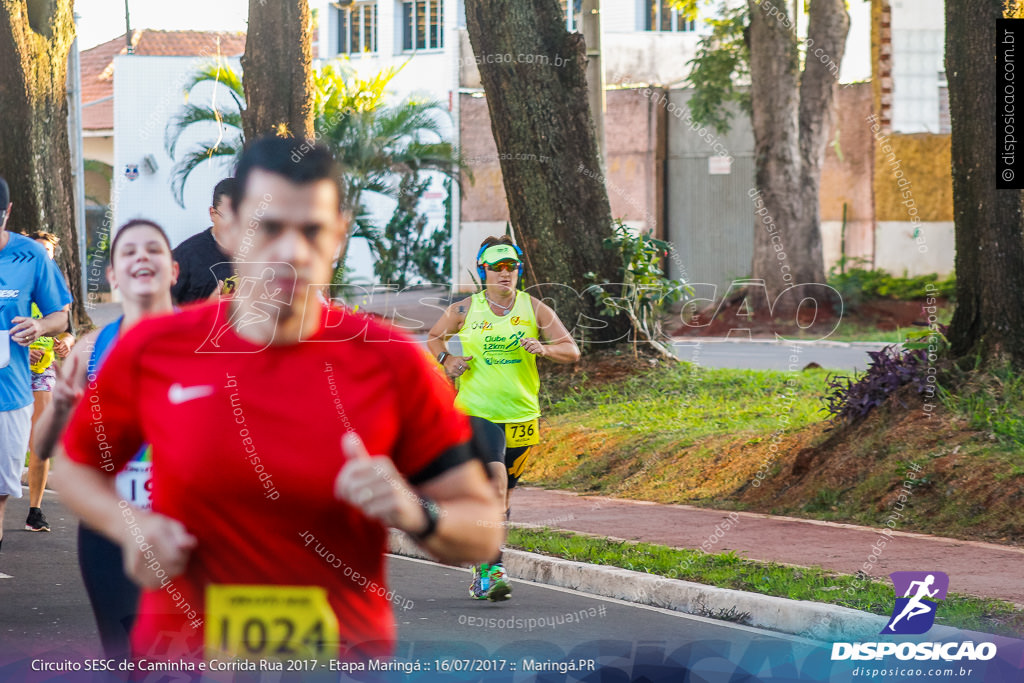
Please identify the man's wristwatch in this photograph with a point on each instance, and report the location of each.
(442, 356)
(433, 513)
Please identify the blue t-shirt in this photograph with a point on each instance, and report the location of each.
(27, 275)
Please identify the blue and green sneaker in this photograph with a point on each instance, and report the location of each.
(481, 582)
(498, 588)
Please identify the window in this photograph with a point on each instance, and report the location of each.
(944, 123)
(661, 17)
(423, 22)
(572, 18)
(357, 28)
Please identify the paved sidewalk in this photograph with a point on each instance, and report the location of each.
(974, 568)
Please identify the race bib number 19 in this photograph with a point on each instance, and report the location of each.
(522, 434)
(135, 483)
(270, 622)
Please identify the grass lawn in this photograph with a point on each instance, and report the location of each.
(693, 401)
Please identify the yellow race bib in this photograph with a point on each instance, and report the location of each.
(522, 434)
(270, 622)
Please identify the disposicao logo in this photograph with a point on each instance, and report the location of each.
(914, 614)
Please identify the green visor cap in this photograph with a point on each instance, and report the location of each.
(499, 252)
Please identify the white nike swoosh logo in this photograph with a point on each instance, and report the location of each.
(179, 394)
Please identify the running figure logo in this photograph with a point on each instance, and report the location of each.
(266, 306)
(914, 613)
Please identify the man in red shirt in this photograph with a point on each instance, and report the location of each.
(269, 517)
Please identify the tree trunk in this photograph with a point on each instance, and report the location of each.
(792, 116)
(277, 71)
(552, 174)
(989, 319)
(35, 156)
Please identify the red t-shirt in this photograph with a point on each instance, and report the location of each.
(246, 444)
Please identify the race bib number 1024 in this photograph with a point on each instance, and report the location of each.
(270, 622)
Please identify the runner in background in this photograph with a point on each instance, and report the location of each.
(501, 330)
(41, 354)
(142, 270)
(268, 529)
(29, 276)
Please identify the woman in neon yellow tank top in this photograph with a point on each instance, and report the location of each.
(502, 331)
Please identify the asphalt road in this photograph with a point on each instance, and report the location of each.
(770, 355)
(543, 625)
(44, 614)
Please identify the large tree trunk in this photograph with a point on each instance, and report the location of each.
(989, 319)
(277, 71)
(792, 116)
(35, 157)
(552, 174)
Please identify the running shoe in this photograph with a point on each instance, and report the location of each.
(481, 582)
(36, 520)
(499, 588)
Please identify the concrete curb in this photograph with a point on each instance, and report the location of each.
(812, 620)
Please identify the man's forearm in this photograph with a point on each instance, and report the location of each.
(55, 323)
(468, 531)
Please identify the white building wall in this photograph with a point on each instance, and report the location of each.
(897, 250)
(648, 56)
(148, 92)
(918, 48)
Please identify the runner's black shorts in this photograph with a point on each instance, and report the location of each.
(489, 446)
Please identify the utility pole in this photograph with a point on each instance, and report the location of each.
(128, 28)
(591, 19)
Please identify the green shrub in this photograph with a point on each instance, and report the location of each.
(857, 285)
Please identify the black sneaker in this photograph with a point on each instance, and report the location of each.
(36, 520)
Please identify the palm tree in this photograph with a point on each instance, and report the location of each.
(381, 147)
(228, 120)
(377, 144)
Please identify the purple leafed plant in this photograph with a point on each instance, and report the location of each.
(850, 400)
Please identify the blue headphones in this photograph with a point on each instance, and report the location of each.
(482, 272)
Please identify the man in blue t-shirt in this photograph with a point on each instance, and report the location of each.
(27, 276)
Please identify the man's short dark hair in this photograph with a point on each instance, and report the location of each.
(225, 188)
(299, 161)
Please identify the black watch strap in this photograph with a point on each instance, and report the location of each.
(433, 513)
(442, 356)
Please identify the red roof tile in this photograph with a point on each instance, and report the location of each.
(97, 63)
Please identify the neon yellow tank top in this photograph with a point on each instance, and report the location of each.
(501, 383)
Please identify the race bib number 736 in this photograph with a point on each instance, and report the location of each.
(522, 434)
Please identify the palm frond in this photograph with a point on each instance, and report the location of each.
(218, 71)
(229, 148)
(196, 114)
